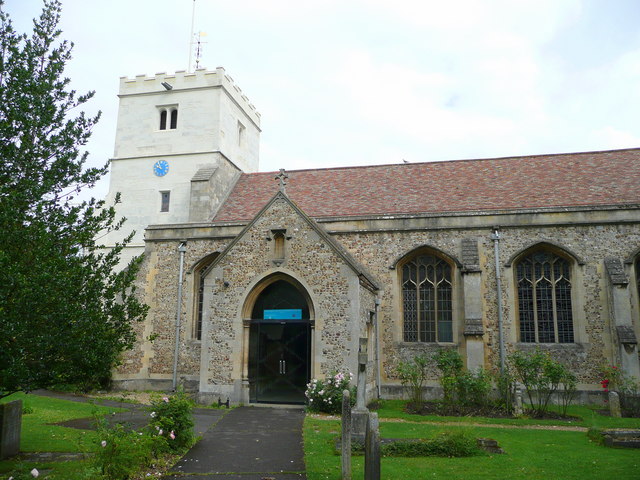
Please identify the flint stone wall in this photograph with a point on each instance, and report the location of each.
(333, 286)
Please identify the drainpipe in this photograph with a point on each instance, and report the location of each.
(181, 248)
(495, 236)
(377, 305)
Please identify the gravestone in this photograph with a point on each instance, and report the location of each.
(614, 404)
(10, 424)
(372, 449)
(360, 414)
(518, 406)
(346, 435)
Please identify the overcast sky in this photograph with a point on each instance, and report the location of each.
(358, 82)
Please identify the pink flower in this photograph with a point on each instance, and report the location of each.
(103, 443)
(35, 473)
(160, 432)
(165, 399)
(172, 435)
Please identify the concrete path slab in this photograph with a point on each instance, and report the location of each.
(249, 443)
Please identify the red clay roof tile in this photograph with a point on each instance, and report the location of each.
(516, 183)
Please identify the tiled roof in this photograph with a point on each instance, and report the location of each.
(516, 183)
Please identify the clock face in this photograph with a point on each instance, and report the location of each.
(161, 168)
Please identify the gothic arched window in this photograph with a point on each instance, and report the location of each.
(544, 298)
(427, 299)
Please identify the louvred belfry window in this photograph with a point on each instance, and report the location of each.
(544, 298)
(427, 305)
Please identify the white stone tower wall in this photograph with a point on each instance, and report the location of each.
(216, 123)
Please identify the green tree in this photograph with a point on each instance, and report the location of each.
(66, 315)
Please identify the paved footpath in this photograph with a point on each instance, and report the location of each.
(245, 443)
(248, 443)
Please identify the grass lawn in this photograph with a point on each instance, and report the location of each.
(530, 454)
(38, 435)
(586, 416)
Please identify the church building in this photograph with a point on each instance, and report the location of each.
(258, 282)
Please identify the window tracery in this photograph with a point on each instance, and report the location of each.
(427, 299)
(544, 298)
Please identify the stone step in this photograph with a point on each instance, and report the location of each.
(622, 432)
(622, 442)
(619, 437)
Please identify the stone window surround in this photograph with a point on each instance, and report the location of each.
(198, 271)
(279, 249)
(165, 201)
(632, 263)
(456, 289)
(170, 120)
(576, 278)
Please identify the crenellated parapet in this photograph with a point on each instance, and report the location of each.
(181, 80)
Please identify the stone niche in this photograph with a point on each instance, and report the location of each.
(10, 425)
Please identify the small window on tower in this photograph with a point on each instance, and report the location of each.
(168, 117)
(163, 119)
(174, 118)
(164, 201)
(241, 130)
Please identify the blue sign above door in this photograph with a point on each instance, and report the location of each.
(283, 314)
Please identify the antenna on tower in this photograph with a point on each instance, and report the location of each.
(199, 44)
(193, 16)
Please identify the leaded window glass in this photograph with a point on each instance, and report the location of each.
(200, 303)
(427, 300)
(544, 298)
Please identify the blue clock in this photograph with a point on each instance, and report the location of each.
(161, 168)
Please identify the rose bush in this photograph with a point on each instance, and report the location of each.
(326, 395)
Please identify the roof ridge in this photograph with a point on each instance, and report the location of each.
(453, 160)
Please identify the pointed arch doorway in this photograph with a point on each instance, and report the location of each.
(279, 341)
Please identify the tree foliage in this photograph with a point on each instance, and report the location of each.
(66, 315)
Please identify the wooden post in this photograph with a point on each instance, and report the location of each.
(372, 449)
(346, 435)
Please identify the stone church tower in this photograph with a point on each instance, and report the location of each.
(181, 142)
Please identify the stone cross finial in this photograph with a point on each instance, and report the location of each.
(282, 176)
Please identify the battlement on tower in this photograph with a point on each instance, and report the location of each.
(181, 80)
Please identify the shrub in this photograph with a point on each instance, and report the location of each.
(449, 362)
(542, 377)
(472, 388)
(171, 417)
(595, 435)
(627, 387)
(506, 383)
(121, 452)
(446, 444)
(326, 396)
(412, 376)
(27, 409)
(461, 388)
(569, 388)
